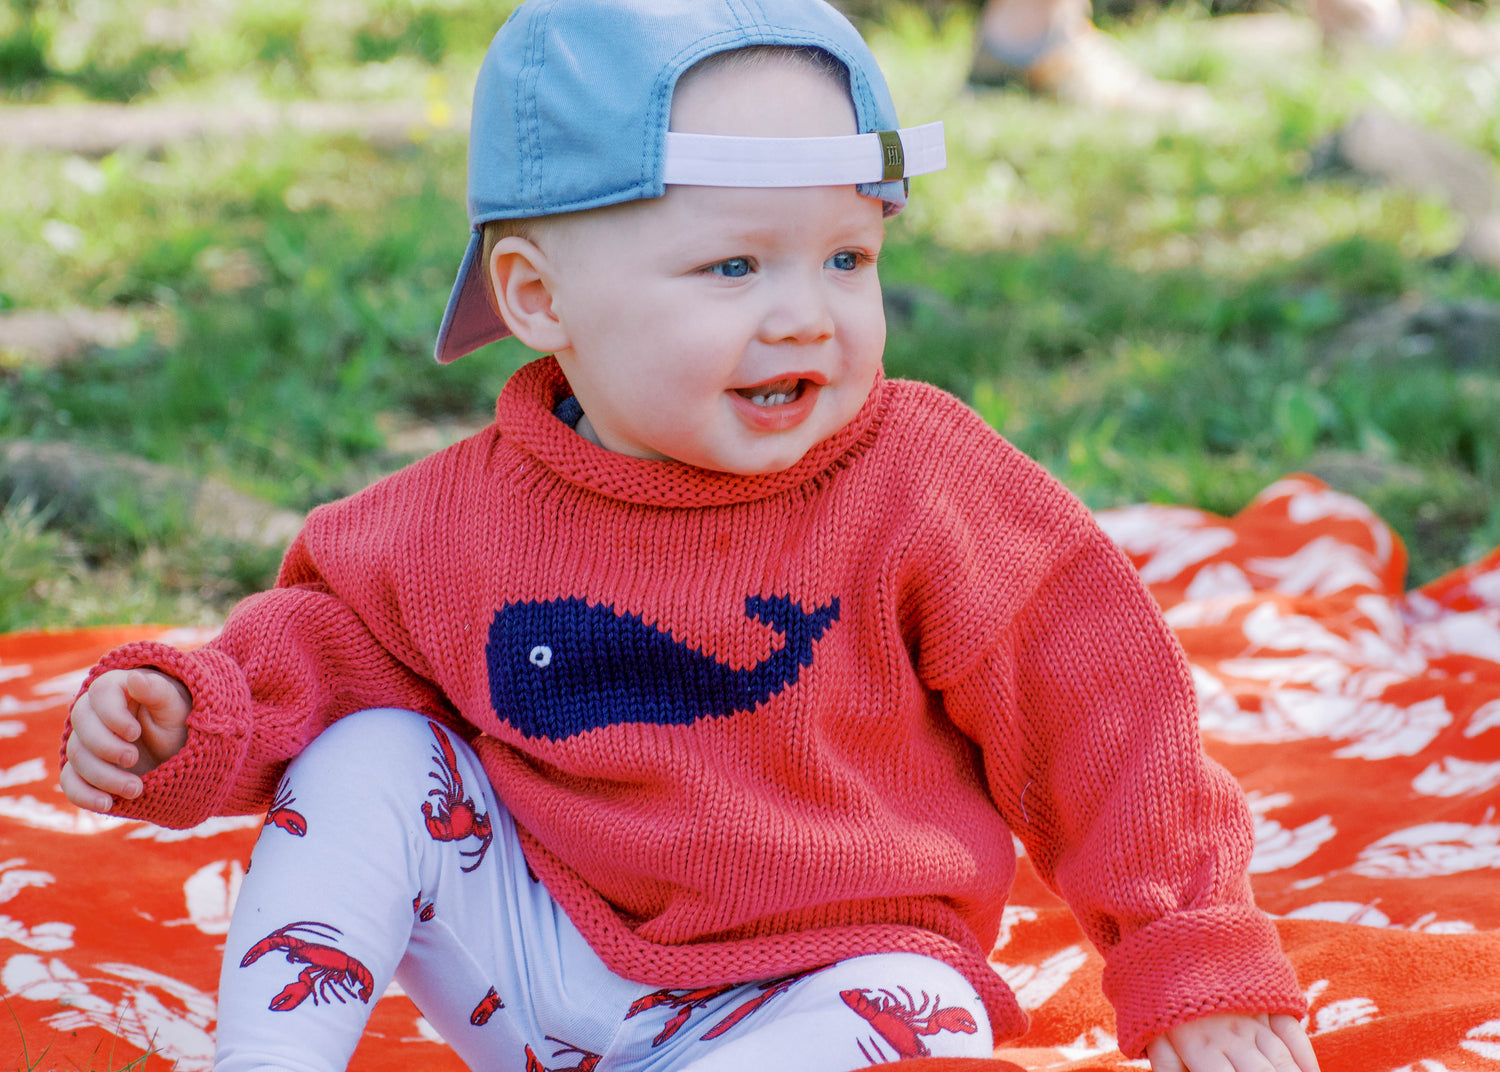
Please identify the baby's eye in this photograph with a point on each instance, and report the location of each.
(845, 261)
(733, 268)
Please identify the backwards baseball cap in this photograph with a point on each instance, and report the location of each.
(572, 106)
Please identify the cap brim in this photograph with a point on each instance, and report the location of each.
(470, 321)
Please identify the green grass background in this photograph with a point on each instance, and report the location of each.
(1151, 310)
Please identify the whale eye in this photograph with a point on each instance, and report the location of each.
(541, 656)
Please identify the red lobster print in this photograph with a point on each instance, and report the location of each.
(281, 813)
(903, 1024)
(769, 989)
(685, 1001)
(455, 817)
(329, 971)
(423, 912)
(486, 1008)
(587, 1063)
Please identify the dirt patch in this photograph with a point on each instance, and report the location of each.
(84, 489)
(100, 129)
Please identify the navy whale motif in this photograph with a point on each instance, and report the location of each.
(561, 667)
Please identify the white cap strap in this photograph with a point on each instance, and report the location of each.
(884, 156)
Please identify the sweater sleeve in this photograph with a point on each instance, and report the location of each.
(1087, 718)
(288, 663)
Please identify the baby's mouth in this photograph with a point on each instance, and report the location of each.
(775, 393)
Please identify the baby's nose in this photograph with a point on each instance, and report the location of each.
(800, 312)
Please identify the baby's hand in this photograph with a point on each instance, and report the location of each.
(128, 723)
(1243, 1043)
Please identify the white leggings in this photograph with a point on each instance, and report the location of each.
(386, 855)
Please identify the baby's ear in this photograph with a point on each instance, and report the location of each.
(521, 285)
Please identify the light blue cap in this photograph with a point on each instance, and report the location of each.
(573, 101)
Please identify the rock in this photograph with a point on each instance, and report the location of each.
(1462, 334)
(36, 336)
(1481, 242)
(85, 489)
(1361, 475)
(1378, 146)
(1275, 33)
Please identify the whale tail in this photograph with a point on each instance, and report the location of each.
(801, 628)
(786, 616)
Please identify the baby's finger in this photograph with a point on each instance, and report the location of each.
(1163, 1057)
(93, 771)
(108, 702)
(95, 737)
(1289, 1030)
(1227, 1043)
(81, 793)
(1275, 1048)
(165, 699)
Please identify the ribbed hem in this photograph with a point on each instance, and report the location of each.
(1196, 964)
(191, 786)
(712, 963)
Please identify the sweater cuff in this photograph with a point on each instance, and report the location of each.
(1194, 964)
(192, 785)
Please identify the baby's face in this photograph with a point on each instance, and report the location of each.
(731, 329)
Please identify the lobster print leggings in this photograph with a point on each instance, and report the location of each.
(386, 856)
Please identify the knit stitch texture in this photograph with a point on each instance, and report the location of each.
(751, 725)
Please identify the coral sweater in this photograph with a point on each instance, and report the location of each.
(750, 725)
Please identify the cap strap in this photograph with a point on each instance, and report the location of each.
(884, 156)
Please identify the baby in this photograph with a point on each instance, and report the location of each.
(682, 719)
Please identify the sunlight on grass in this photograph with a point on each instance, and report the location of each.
(1229, 194)
(1156, 310)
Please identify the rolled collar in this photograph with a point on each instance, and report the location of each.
(526, 415)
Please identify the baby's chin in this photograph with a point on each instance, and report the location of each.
(761, 470)
(764, 466)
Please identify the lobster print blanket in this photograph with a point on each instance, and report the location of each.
(1362, 720)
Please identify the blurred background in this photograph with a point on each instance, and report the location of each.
(229, 228)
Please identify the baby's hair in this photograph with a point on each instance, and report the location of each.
(815, 59)
(490, 234)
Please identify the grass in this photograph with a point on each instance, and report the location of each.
(34, 1064)
(1154, 312)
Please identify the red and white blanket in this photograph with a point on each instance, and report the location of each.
(1362, 720)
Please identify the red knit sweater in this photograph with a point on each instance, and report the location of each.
(749, 725)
